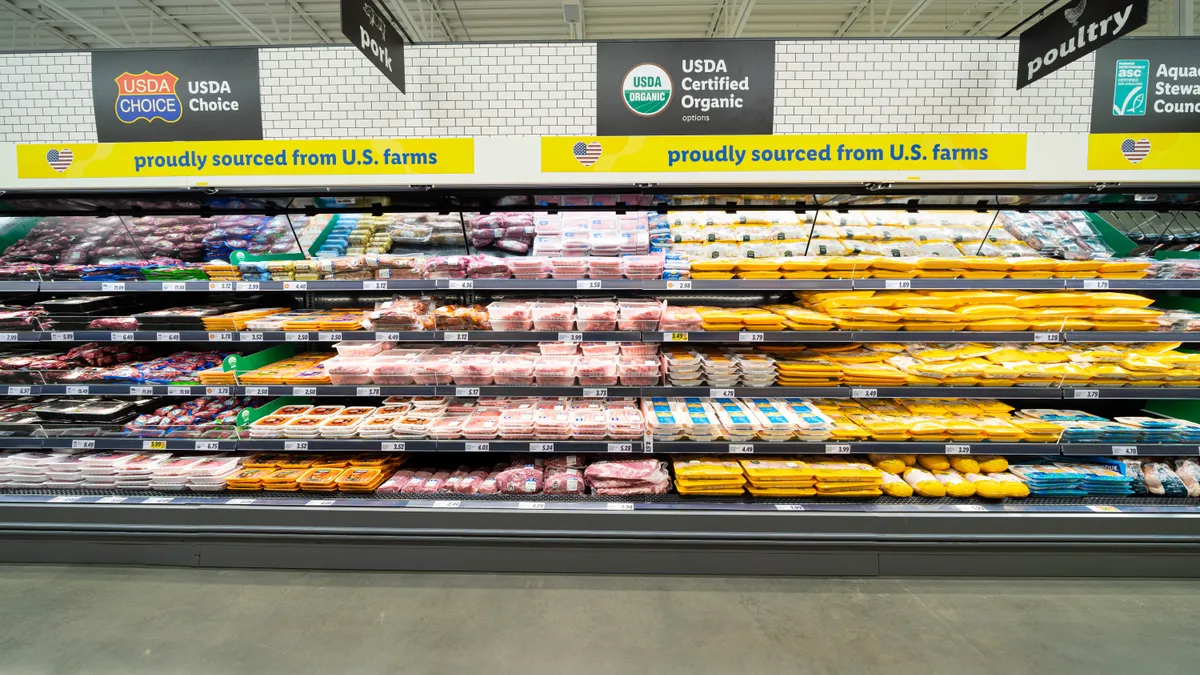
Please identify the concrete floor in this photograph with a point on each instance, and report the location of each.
(101, 620)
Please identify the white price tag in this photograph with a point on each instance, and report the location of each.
(62, 337)
(741, 448)
(374, 285)
(174, 286)
(722, 393)
(679, 285)
(466, 392)
(620, 447)
(897, 284)
(864, 393)
(250, 337)
(295, 285)
(217, 391)
(112, 286)
(167, 337)
(958, 449)
(476, 447)
(158, 500)
(446, 503)
(648, 443)
(304, 391)
(9, 337)
(64, 500)
(77, 390)
(570, 337)
(329, 337)
(837, 449)
(220, 285)
(1086, 393)
(179, 391)
(1047, 337)
(387, 337)
(297, 336)
(20, 391)
(675, 337)
(367, 391)
(595, 393)
(208, 445)
(789, 507)
(141, 391)
(1095, 284)
(462, 284)
(121, 337)
(1104, 508)
(239, 502)
(83, 445)
(154, 445)
(320, 502)
(295, 445)
(248, 286)
(973, 508)
(257, 391)
(619, 506)
(454, 336)
(111, 500)
(1125, 450)
(541, 447)
(392, 446)
(751, 337)
(588, 285)
(536, 506)
(220, 337)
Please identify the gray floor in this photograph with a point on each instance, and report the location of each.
(101, 620)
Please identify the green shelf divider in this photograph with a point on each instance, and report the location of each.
(244, 363)
(1115, 239)
(1184, 410)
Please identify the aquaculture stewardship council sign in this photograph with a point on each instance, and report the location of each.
(1147, 85)
(685, 87)
(176, 95)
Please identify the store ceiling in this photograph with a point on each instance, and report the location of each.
(99, 24)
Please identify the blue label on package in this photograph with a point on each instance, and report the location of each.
(1130, 86)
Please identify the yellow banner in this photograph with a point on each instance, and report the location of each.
(1128, 152)
(841, 152)
(376, 157)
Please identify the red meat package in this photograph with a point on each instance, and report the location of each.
(520, 479)
(564, 482)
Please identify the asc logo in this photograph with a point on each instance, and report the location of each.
(148, 96)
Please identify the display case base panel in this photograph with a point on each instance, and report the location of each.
(1144, 537)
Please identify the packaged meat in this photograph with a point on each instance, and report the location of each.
(554, 316)
(473, 369)
(566, 481)
(393, 370)
(511, 315)
(532, 267)
(639, 371)
(520, 479)
(597, 370)
(600, 348)
(554, 371)
(482, 426)
(358, 349)
(638, 314)
(568, 268)
(345, 370)
(558, 348)
(680, 319)
(596, 315)
(514, 369)
(434, 369)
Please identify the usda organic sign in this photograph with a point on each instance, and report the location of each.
(647, 89)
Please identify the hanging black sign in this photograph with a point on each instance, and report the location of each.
(145, 95)
(685, 87)
(1149, 85)
(373, 29)
(1074, 31)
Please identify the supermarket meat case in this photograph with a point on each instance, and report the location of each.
(631, 383)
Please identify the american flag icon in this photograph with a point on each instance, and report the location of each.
(1135, 151)
(60, 160)
(587, 153)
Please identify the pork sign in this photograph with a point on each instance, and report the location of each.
(373, 29)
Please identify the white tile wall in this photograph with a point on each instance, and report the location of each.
(453, 90)
(46, 97)
(922, 86)
(821, 86)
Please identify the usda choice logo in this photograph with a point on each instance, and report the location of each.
(646, 89)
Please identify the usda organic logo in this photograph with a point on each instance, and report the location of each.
(647, 89)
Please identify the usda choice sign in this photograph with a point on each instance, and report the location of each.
(685, 87)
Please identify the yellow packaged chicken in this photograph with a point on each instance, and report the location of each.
(929, 314)
(954, 483)
(888, 463)
(985, 487)
(1110, 299)
(707, 467)
(1013, 486)
(800, 264)
(987, 312)
(964, 465)
(923, 483)
(893, 486)
(992, 464)
(933, 462)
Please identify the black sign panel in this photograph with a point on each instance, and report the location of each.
(1074, 31)
(685, 87)
(176, 95)
(372, 28)
(1150, 85)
